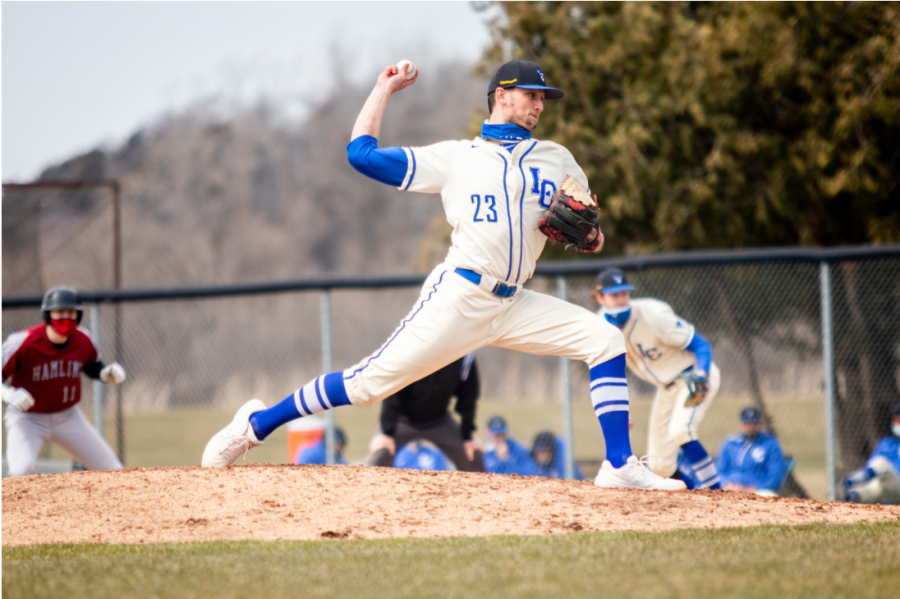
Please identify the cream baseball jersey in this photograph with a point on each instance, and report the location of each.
(493, 199)
(656, 339)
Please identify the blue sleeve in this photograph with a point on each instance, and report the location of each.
(774, 467)
(702, 350)
(387, 165)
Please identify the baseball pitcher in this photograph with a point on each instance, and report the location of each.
(43, 367)
(665, 351)
(504, 193)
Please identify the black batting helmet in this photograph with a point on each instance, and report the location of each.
(61, 298)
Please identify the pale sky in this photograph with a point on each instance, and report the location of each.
(81, 74)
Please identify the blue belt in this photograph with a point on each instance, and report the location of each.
(500, 290)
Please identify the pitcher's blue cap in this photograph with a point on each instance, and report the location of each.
(524, 74)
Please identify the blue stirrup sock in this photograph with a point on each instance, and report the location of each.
(703, 465)
(609, 394)
(320, 394)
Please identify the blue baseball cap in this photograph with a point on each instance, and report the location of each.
(612, 280)
(497, 426)
(524, 74)
(750, 414)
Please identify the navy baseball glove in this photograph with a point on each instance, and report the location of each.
(698, 388)
(573, 219)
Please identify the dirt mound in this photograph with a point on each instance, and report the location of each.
(268, 502)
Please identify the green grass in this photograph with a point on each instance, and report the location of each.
(818, 561)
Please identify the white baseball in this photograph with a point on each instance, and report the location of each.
(409, 66)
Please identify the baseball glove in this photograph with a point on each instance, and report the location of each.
(698, 388)
(573, 219)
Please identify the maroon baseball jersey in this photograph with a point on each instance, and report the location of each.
(51, 375)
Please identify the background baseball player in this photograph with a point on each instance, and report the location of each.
(664, 350)
(879, 481)
(506, 455)
(421, 411)
(497, 190)
(43, 367)
(548, 452)
(753, 461)
(416, 455)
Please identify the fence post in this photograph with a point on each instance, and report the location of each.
(97, 386)
(564, 374)
(828, 378)
(325, 318)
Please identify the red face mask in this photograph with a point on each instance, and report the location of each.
(63, 327)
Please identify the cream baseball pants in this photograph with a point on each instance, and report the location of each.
(453, 316)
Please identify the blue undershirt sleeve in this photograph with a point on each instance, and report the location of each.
(387, 165)
(702, 350)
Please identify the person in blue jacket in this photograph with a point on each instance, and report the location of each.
(415, 455)
(753, 461)
(879, 481)
(506, 456)
(315, 454)
(549, 454)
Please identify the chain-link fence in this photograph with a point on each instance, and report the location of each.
(193, 356)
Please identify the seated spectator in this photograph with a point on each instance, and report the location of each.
(315, 454)
(879, 481)
(751, 462)
(506, 456)
(549, 454)
(416, 455)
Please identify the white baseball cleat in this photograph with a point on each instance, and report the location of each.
(635, 475)
(234, 440)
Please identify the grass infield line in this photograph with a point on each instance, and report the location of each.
(818, 561)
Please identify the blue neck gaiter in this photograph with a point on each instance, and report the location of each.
(617, 316)
(505, 133)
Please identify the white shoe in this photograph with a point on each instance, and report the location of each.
(635, 475)
(234, 440)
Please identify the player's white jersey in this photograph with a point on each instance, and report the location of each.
(656, 339)
(493, 199)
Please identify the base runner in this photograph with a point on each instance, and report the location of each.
(497, 190)
(43, 367)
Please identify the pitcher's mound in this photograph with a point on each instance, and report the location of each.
(270, 502)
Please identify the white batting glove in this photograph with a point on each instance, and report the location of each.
(114, 373)
(18, 398)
